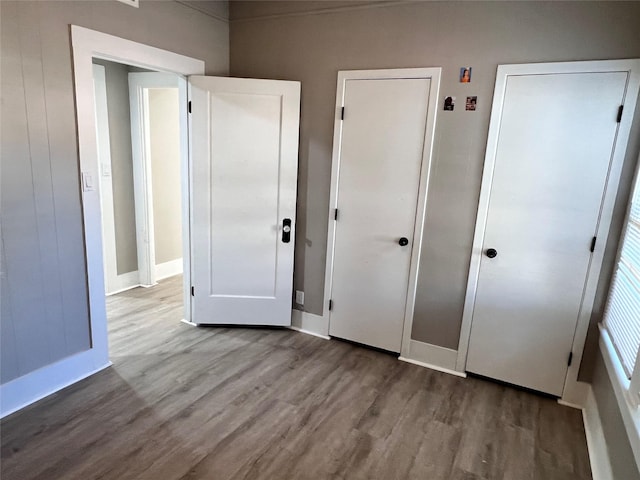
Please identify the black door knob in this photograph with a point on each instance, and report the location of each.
(404, 241)
(492, 252)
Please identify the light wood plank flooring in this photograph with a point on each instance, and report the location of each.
(238, 403)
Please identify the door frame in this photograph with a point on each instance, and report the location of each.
(86, 45)
(433, 74)
(574, 392)
(106, 181)
(139, 83)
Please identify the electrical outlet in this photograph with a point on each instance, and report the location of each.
(299, 297)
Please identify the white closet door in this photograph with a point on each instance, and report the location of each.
(555, 144)
(383, 139)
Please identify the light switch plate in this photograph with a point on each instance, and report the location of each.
(299, 297)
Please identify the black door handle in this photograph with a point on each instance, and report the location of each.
(491, 253)
(404, 241)
(286, 230)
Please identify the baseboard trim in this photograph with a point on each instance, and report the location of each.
(432, 356)
(309, 323)
(168, 269)
(191, 324)
(596, 443)
(125, 282)
(36, 385)
(431, 366)
(308, 332)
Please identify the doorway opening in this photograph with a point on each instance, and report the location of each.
(138, 139)
(87, 46)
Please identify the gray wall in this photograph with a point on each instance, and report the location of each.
(620, 454)
(44, 286)
(117, 82)
(164, 133)
(277, 40)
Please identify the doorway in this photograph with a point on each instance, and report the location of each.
(556, 144)
(138, 136)
(87, 45)
(241, 97)
(382, 153)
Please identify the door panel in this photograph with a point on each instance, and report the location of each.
(244, 149)
(556, 140)
(379, 174)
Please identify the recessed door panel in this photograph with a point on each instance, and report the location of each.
(245, 182)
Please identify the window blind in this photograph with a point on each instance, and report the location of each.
(622, 315)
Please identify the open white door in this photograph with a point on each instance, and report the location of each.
(244, 164)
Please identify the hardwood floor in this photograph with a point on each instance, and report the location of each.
(251, 403)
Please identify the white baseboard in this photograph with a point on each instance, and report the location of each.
(124, 282)
(189, 323)
(596, 443)
(36, 385)
(168, 269)
(433, 357)
(309, 323)
(575, 394)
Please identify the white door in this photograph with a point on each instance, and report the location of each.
(556, 137)
(244, 158)
(380, 159)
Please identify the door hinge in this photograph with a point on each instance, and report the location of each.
(335, 214)
(620, 108)
(330, 304)
(593, 244)
(193, 291)
(189, 106)
(570, 359)
(342, 114)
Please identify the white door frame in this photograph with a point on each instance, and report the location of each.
(416, 245)
(106, 187)
(139, 83)
(574, 391)
(88, 44)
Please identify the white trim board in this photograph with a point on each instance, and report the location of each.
(427, 154)
(432, 356)
(168, 269)
(36, 385)
(573, 391)
(596, 442)
(123, 282)
(309, 323)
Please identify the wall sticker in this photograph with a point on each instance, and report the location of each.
(471, 103)
(449, 103)
(465, 74)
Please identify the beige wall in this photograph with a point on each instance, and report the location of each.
(164, 133)
(275, 40)
(44, 286)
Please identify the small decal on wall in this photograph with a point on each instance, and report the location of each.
(465, 74)
(471, 103)
(449, 103)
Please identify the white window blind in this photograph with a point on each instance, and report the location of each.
(622, 315)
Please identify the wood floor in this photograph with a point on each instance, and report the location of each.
(230, 403)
